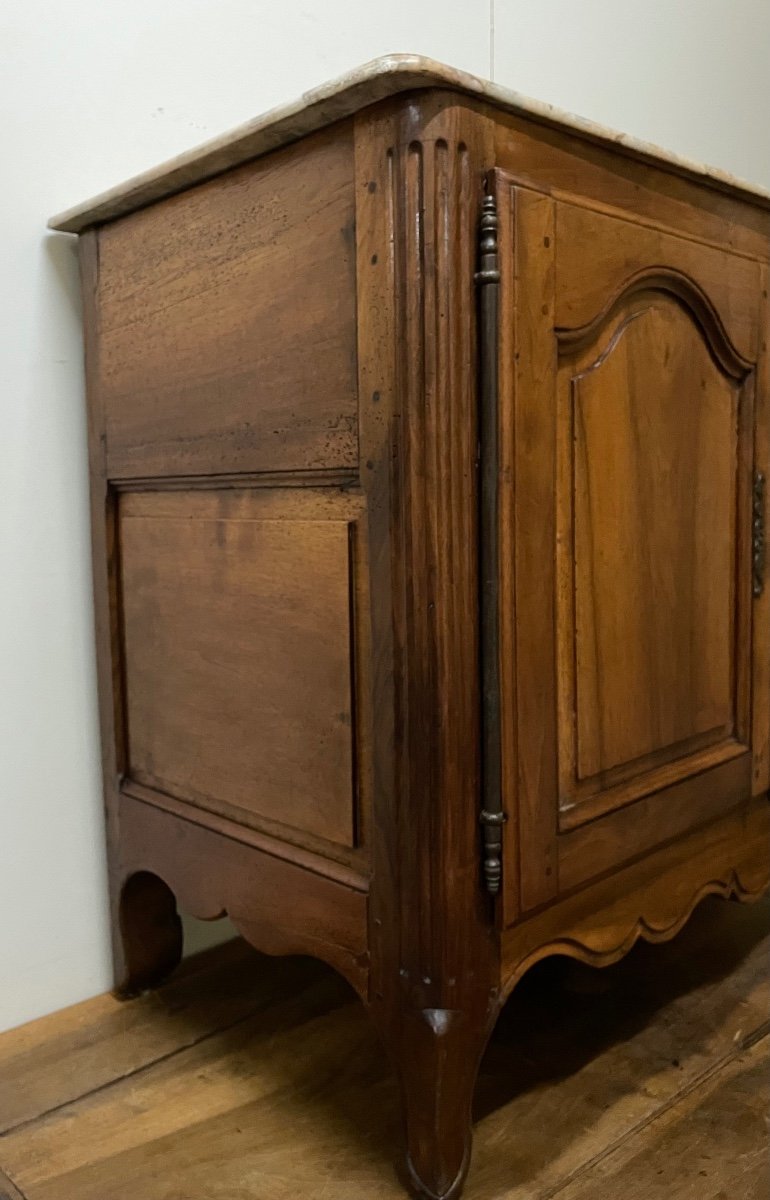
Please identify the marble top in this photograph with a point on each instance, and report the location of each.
(375, 81)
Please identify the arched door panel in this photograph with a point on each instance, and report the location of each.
(628, 364)
(653, 435)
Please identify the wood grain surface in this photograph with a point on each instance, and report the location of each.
(655, 416)
(227, 322)
(261, 1079)
(655, 432)
(257, 723)
(631, 427)
(282, 376)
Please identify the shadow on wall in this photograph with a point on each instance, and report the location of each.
(62, 252)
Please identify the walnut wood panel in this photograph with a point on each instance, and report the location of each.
(563, 165)
(643, 410)
(527, 379)
(257, 723)
(278, 907)
(599, 256)
(650, 899)
(312, 854)
(227, 322)
(655, 416)
(514, 864)
(653, 427)
(600, 846)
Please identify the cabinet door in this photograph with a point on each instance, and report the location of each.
(628, 364)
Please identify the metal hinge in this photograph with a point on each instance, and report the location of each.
(488, 280)
(758, 534)
(492, 828)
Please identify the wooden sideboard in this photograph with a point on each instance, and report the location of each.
(429, 432)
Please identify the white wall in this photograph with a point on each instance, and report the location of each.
(690, 75)
(91, 92)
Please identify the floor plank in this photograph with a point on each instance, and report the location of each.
(7, 1189)
(294, 1097)
(53, 1061)
(711, 1145)
(596, 1057)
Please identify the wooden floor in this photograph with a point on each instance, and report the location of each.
(249, 1078)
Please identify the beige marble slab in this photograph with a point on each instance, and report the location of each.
(375, 81)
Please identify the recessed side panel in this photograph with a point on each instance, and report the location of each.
(227, 333)
(238, 630)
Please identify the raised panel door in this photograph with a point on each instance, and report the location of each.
(628, 363)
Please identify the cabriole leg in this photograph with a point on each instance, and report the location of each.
(437, 1058)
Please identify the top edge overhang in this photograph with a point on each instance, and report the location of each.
(380, 79)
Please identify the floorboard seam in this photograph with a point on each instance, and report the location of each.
(15, 1192)
(751, 1039)
(746, 1043)
(103, 1087)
